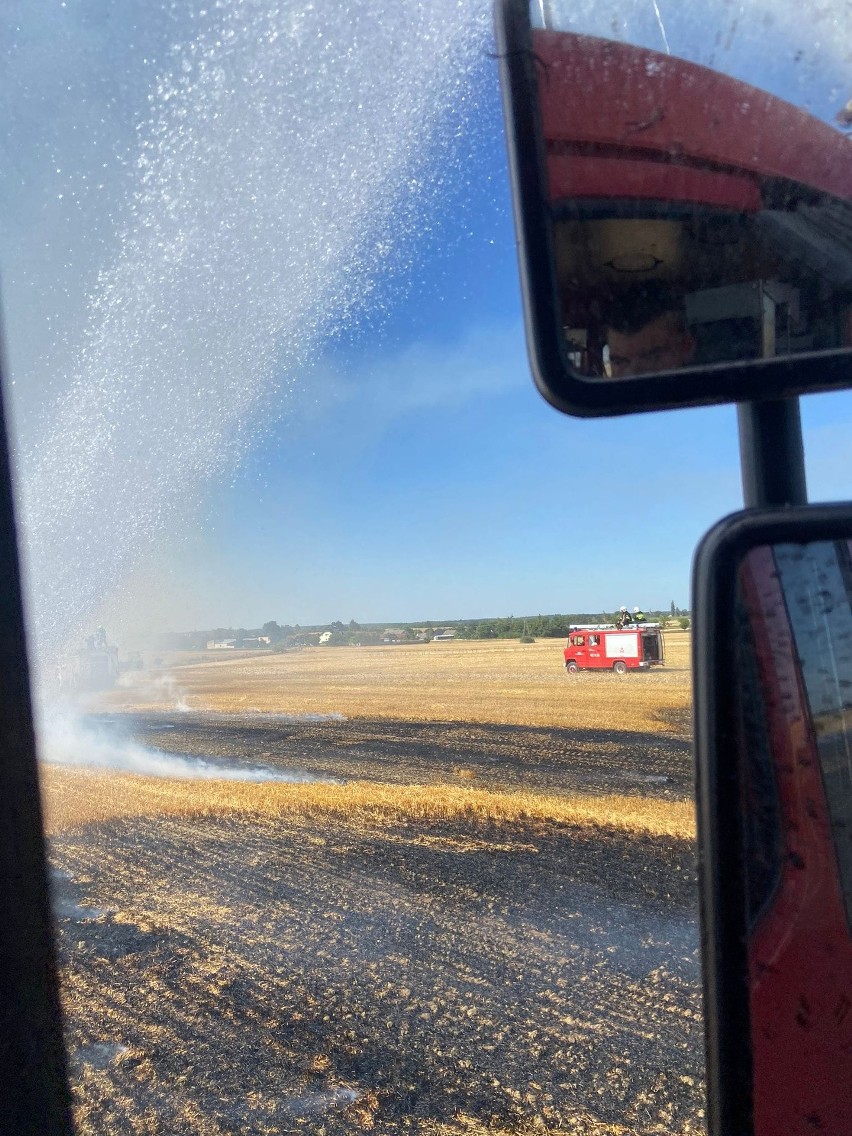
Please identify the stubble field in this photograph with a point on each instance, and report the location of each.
(479, 918)
(500, 682)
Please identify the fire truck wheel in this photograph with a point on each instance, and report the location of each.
(571, 667)
(620, 667)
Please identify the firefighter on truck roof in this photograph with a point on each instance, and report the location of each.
(626, 618)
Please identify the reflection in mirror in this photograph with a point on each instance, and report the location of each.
(793, 668)
(696, 218)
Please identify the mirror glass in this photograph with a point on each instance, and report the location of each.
(792, 662)
(698, 180)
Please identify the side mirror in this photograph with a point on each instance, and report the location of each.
(773, 707)
(684, 237)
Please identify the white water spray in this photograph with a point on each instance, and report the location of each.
(282, 167)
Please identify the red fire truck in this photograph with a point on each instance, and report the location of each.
(603, 648)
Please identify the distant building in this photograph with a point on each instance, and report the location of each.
(439, 635)
(251, 643)
(326, 635)
(393, 635)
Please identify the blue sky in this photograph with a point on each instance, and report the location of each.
(414, 472)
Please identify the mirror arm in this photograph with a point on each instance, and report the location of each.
(772, 453)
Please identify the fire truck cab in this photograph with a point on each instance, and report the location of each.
(607, 648)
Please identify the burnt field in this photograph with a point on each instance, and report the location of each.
(476, 929)
(500, 758)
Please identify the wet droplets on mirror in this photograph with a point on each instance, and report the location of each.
(793, 689)
(699, 182)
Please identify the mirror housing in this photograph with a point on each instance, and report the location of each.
(773, 732)
(645, 196)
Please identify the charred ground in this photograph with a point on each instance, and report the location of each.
(277, 974)
(426, 753)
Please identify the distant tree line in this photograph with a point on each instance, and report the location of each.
(540, 626)
(513, 627)
(286, 636)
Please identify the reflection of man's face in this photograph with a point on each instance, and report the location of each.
(664, 344)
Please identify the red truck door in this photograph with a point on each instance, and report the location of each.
(578, 650)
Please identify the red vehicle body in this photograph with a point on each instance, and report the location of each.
(673, 131)
(800, 944)
(599, 648)
(681, 175)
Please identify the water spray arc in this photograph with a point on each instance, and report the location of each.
(274, 176)
(281, 165)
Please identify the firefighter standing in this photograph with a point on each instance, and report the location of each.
(627, 619)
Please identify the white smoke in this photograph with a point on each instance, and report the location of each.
(165, 692)
(65, 737)
(161, 689)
